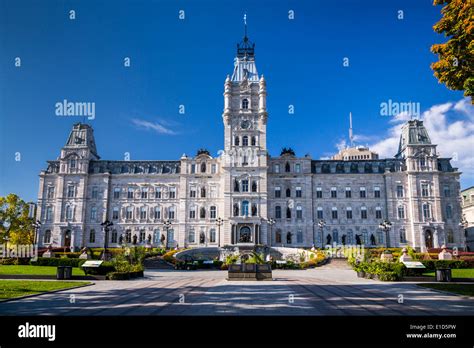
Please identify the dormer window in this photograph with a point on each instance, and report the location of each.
(245, 140)
(72, 163)
(245, 104)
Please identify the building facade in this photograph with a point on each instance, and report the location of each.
(245, 196)
(467, 205)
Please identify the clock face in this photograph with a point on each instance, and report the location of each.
(245, 124)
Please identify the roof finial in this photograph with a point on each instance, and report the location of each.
(245, 26)
(351, 136)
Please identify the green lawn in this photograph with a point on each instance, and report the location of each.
(17, 288)
(456, 273)
(460, 289)
(35, 270)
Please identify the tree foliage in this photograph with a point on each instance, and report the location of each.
(455, 67)
(15, 225)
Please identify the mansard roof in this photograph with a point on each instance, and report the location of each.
(413, 133)
(135, 167)
(80, 137)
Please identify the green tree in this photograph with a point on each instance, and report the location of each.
(15, 225)
(455, 65)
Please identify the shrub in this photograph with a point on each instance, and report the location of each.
(71, 255)
(168, 256)
(118, 276)
(436, 264)
(45, 261)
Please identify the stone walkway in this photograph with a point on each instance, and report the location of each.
(321, 291)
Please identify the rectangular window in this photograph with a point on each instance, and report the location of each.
(298, 192)
(277, 168)
(299, 212)
(298, 168)
(193, 168)
(144, 192)
(50, 191)
(333, 192)
(349, 214)
(142, 236)
(213, 192)
(245, 185)
(319, 213)
(116, 193)
(172, 192)
(213, 168)
(49, 214)
(191, 236)
(424, 190)
(115, 213)
(334, 213)
(399, 191)
(363, 213)
(157, 213)
(71, 191)
(114, 236)
(319, 192)
(158, 193)
(299, 236)
(362, 192)
(95, 192)
(348, 192)
(129, 213)
(447, 191)
(130, 193)
(93, 214)
(143, 213)
(212, 235)
(378, 213)
(401, 212)
(213, 212)
(277, 192)
(192, 192)
(377, 192)
(171, 213)
(192, 213)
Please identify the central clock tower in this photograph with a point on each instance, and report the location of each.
(244, 160)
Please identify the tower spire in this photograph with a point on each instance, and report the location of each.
(351, 135)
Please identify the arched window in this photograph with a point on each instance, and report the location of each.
(128, 236)
(236, 141)
(191, 236)
(47, 237)
(92, 236)
(254, 210)
(254, 186)
(350, 237)
(69, 213)
(277, 212)
(287, 167)
(142, 213)
(253, 141)
(245, 140)
(203, 192)
(113, 237)
(401, 212)
(289, 237)
(202, 213)
(449, 212)
(245, 208)
(236, 186)
(245, 104)
(203, 167)
(288, 213)
(335, 236)
(157, 212)
(288, 192)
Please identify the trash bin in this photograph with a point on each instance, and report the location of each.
(60, 272)
(67, 272)
(443, 275)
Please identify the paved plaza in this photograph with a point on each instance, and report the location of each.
(320, 291)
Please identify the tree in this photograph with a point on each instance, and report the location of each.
(455, 67)
(15, 224)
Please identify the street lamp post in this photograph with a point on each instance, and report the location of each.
(219, 223)
(321, 225)
(105, 225)
(464, 225)
(37, 226)
(167, 225)
(385, 226)
(270, 223)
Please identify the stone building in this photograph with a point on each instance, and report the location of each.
(467, 205)
(245, 196)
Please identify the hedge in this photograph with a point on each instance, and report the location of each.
(124, 275)
(46, 261)
(432, 265)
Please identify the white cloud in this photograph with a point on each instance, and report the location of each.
(154, 126)
(449, 125)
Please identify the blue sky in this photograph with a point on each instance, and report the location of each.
(184, 62)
